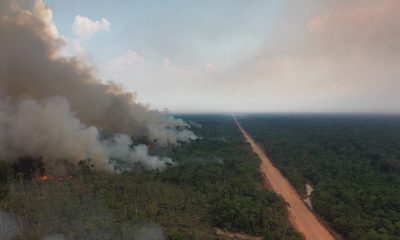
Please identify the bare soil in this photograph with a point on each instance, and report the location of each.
(300, 216)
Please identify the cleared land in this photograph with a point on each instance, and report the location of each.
(300, 216)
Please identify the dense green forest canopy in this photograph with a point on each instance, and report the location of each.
(215, 183)
(352, 161)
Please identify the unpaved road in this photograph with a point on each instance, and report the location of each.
(301, 217)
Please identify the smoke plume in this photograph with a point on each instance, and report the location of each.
(54, 108)
(9, 228)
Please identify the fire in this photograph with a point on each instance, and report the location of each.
(47, 177)
(43, 178)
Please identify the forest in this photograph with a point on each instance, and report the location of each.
(215, 183)
(352, 161)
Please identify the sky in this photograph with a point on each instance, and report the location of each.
(241, 55)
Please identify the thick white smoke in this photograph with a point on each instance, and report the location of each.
(54, 107)
(48, 130)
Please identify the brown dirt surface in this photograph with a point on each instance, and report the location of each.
(301, 217)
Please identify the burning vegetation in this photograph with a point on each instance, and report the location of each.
(215, 184)
(47, 177)
(64, 109)
(58, 121)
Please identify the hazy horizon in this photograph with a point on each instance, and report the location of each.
(242, 56)
(339, 114)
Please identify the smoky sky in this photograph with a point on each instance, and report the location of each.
(325, 56)
(55, 108)
(272, 56)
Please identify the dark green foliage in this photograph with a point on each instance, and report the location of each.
(352, 161)
(216, 183)
(223, 167)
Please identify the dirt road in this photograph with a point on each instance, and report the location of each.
(301, 217)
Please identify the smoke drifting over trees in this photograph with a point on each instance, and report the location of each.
(53, 107)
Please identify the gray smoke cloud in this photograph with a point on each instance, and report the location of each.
(53, 107)
(149, 231)
(9, 227)
(49, 130)
(56, 236)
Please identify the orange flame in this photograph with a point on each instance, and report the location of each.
(47, 177)
(44, 178)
